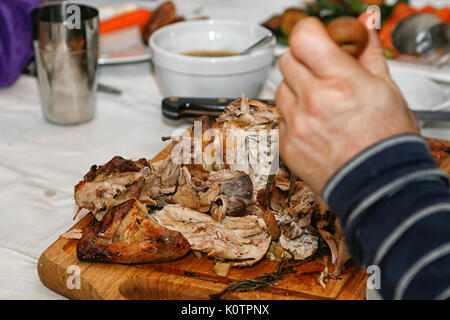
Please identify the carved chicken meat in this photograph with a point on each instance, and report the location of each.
(294, 219)
(216, 207)
(223, 193)
(120, 180)
(249, 143)
(126, 235)
(107, 181)
(241, 240)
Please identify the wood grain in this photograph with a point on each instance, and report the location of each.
(169, 280)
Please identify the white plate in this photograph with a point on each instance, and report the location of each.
(420, 92)
(435, 73)
(125, 46)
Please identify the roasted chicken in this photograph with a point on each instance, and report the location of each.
(120, 180)
(108, 181)
(127, 235)
(157, 211)
(216, 206)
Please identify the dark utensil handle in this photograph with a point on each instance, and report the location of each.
(178, 107)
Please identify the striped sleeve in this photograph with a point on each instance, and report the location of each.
(394, 206)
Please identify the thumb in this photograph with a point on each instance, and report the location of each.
(311, 45)
(373, 58)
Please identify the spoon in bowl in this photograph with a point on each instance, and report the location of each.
(263, 41)
(425, 37)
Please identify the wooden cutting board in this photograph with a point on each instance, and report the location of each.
(188, 278)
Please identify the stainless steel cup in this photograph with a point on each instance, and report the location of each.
(65, 38)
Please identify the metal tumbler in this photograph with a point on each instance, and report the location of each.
(65, 39)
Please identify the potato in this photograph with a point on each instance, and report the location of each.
(349, 34)
(290, 18)
(222, 269)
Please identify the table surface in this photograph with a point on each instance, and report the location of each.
(40, 163)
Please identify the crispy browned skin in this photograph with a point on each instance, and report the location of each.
(114, 166)
(126, 235)
(440, 149)
(107, 181)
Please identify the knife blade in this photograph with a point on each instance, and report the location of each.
(432, 116)
(108, 89)
(176, 108)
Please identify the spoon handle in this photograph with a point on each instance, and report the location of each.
(261, 42)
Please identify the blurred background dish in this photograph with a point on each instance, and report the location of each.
(123, 26)
(424, 86)
(392, 13)
(185, 75)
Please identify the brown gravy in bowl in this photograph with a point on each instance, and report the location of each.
(211, 53)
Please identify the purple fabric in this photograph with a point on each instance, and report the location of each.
(16, 44)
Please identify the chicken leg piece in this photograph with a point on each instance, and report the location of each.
(126, 235)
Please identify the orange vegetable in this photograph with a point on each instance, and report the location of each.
(402, 10)
(138, 17)
(444, 14)
(427, 9)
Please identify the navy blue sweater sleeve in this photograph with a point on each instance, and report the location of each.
(394, 206)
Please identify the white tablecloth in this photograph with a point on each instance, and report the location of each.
(40, 163)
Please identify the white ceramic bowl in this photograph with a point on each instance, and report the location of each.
(192, 76)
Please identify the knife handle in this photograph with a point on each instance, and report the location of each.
(176, 107)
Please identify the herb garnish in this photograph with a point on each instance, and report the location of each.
(257, 283)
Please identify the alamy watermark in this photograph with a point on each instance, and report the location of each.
(374, 279)
(74, 278)
(73, 20)
(235, 147)
(374, 19)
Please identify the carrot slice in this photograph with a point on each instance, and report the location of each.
(444, 14)
(427, 9)
(138, 17)
(400, 11)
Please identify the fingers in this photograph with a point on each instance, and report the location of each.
(289, 104)
(295, 77)
(313, 47)
(284, 95)
(373, 56)
(295, 74)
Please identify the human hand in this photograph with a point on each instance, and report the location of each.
(334, 106)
